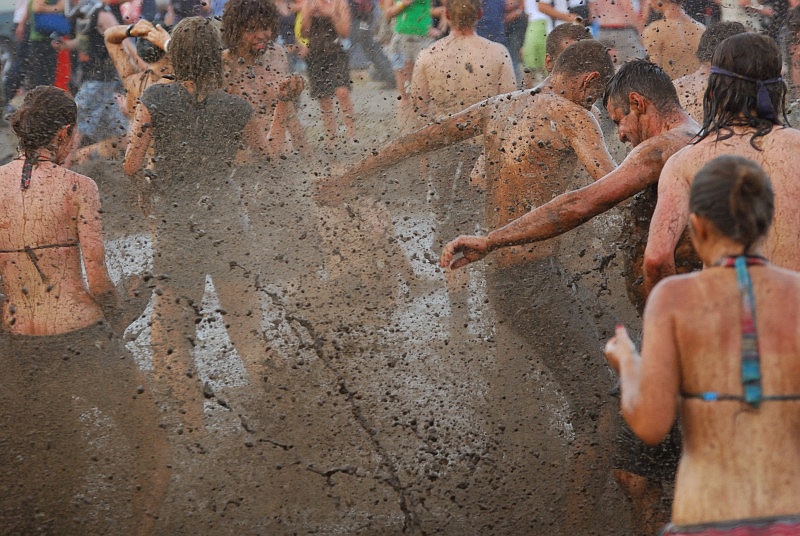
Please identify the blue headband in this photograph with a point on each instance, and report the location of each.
(764, 106)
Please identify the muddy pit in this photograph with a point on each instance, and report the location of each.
(377, 410)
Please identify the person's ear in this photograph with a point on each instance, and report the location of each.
(590, 78)
(637, 102)
(699, 227)
(548, 62)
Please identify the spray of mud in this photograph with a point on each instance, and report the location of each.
(357, 396)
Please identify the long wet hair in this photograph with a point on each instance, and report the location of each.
(196, 52)
(753, 64)
(44, 111)
(241, 16)
(736, 195)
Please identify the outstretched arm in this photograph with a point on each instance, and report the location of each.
(650, 382)
(461, 126)
(140, 136)
(669, 221)
(565, 212)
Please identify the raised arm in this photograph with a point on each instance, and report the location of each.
(565, 212)
(650, 382)
(115, 36)
(669, 221)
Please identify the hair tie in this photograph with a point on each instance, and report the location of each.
(27, 170)
(764, 106)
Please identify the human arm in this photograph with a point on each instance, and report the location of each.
(90, 237)
(566, 211)
(159, 37)
(461, 126)
(586, 138)
(141, 135)
(512, 10)
(395, 8)
(115, 36)
(650, 382)
(548, 9)
(419, 90)
(669, 221)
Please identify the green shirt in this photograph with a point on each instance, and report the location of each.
(415, 19)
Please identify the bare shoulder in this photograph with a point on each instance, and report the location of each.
(674, 293)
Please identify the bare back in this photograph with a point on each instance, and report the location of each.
(458, 71)
(728, 446)
(671, 44)
(780, 158)
(44, 231)
(691, 89)
(532, 145)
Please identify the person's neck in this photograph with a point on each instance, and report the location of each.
(723, 247)
(462, 32)
(673, 12)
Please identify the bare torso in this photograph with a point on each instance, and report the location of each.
(735, 462)
(530, 159)
(258, 81)
(691, 89)
(780, 158)
(672, 43)
(458, 71)
(45, 292)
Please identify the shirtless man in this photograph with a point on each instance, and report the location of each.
(692, 87)
(745, 104)
(619, 25)
(257, 69)
(535, 144)
(447, 79)
(642, 102)
(672, 41)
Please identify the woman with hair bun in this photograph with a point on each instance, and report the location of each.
(721, 348)
(81, 452)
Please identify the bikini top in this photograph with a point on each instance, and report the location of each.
(751, 360)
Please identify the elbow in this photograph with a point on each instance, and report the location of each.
(650, 428)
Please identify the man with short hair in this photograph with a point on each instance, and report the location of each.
(744, 106)
(642, 102)
(535, 144)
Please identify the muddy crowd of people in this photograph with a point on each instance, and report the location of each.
(251, 288)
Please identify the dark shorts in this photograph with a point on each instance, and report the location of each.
(768, 526)
(326, 73)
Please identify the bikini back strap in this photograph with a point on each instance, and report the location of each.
(751, 361)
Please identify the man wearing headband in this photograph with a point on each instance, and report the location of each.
(743, 114)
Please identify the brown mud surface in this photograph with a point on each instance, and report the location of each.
(375, 412)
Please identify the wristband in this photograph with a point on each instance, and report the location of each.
(166, 44)
(128, 30)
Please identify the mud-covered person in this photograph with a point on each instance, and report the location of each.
(721, 348)
(452, 74)
(644, 105)
(671, 41)
(68, 384)
(257, 69)
(743, 114)
(536, 144)
(692, 87)
(197, 130)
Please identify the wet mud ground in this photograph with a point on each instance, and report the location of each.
(377, 413)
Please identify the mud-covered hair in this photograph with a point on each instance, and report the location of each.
(463, 14)
(44, 111)
(240, 16)
(567, 32)
(584, 57)
(713, 36)
(752, 64)
(196, 52)
(645, 78)
(736, 195)
(148, 51)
